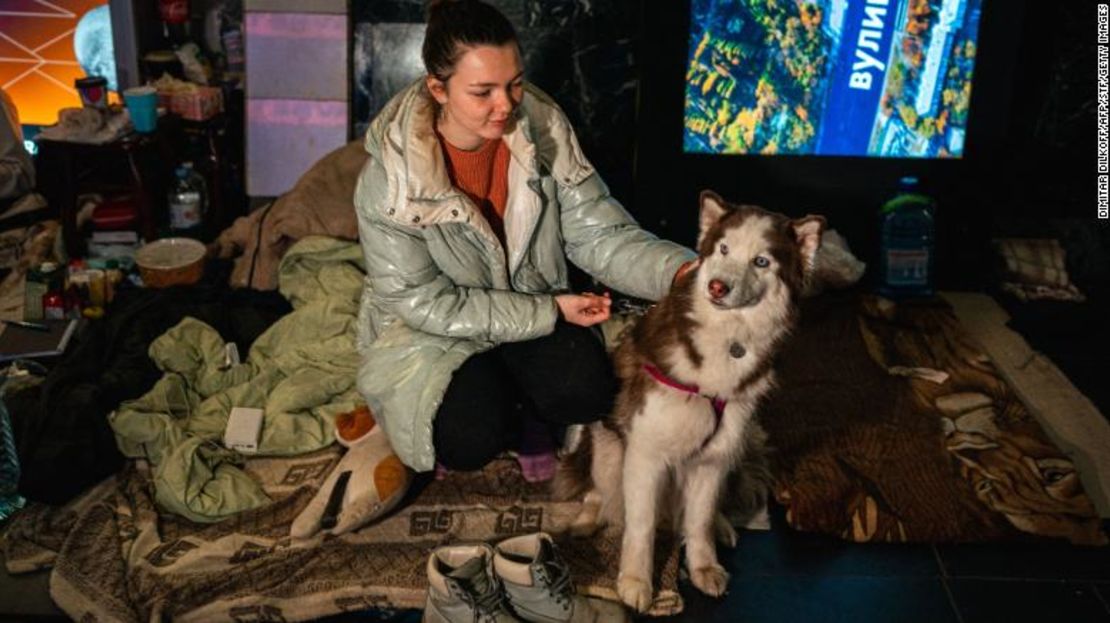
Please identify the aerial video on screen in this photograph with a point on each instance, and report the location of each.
(885, 78)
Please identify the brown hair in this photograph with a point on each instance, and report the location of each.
(456, 24)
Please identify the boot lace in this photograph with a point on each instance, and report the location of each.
(486, 605)
(559, 584)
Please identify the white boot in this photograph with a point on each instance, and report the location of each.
(538, 586)
(462, 587)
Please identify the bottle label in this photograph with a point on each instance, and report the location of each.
(907, 267)
(184, 212)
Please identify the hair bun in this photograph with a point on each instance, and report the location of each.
(433, 6)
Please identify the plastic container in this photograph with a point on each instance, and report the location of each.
(113, 276)
(907, 247)
(187, 202)
(46, 277)
(170, 262)
(142, 106)
(118, 213)
(93, 91)
(53, 305)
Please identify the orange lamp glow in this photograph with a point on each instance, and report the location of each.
(37, 61)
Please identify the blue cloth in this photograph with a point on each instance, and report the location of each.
(10, 500)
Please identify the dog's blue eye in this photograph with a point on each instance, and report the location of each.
(761, 262)
(724, 249)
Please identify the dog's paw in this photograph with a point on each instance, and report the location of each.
(724, 532)
(634, 592)
(711, 580)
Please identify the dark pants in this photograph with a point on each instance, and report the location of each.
(560, 379)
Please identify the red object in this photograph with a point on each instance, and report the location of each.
(174, 11)
(53, 305)
(115, 214)
(93, 91)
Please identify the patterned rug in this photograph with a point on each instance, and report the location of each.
(115, 557)
(891, 424)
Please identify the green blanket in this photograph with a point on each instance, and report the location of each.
(301, 372)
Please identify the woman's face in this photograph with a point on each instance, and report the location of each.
(479, 100)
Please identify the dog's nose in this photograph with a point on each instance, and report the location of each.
(717, 288)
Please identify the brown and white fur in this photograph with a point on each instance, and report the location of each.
(750, 271)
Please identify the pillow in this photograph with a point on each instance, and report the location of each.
(377, 482)
(1035, 268)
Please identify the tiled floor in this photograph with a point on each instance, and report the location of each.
(790, 577)
(785, 577)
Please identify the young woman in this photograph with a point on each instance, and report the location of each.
(475, 195)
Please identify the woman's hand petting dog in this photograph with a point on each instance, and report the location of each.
(584, 310)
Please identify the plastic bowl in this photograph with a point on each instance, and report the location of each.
(171, 262)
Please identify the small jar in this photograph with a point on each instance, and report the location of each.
(113, 276)
(40, 280)
(53, 305)
(34, 289)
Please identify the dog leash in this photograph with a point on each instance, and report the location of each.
(718, 403)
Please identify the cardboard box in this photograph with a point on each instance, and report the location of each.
(243, 428)
(196, 104)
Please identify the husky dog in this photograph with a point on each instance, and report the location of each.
(692, 371)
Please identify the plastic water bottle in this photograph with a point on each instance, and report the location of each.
(906, 256)
(187, 199)
(197, 181)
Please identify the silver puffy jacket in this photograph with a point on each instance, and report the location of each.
(439, 285)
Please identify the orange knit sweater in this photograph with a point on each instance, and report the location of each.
(483, 174)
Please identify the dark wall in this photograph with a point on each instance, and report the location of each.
(617, 68)
(1050, 155)
(848, 191)
(1052, 143)
(580, 53)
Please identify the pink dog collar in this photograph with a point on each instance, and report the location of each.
(718, 403)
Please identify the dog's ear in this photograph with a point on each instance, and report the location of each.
(713, 208)
(807, 233)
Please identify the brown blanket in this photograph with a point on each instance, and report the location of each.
(115, 558)
(321, 204)
(889, 424)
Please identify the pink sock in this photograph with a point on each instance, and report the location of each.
(538, 467)
(537, 452)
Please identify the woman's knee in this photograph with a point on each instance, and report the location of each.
(568, 375)
(466, 453)
(473, 423)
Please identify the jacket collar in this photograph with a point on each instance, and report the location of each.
(403, 137)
